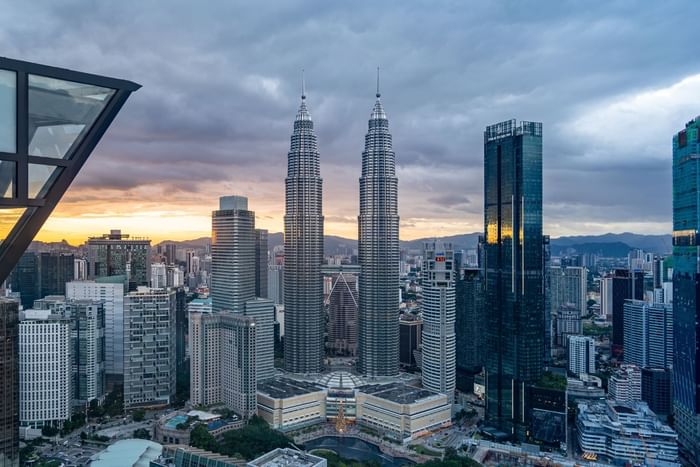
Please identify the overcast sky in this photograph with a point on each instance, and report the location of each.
(611, 82)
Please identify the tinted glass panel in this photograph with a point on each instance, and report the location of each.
(7, 179)
(8, 219)
(60, 113)
(8, 111)
(41, 178)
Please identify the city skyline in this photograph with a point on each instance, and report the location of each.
(174, 168)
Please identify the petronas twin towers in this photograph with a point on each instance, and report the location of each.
(378, 224)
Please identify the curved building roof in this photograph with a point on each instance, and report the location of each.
(340, 380)
(134, 452)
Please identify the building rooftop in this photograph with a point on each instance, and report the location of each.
(136, 452)
(282, 387)
(398, 392)
(340, 380)
(287, 458)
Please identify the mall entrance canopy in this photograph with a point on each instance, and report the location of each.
(51, 119)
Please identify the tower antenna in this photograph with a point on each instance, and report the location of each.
(378, 94)
(303, 85)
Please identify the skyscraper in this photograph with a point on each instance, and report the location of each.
(686, 301)
(438, 282)
(342, 315)
(110, 291)
(45, 377)
(261, 263)
(513, 271)
(232, 254)
(149, 343)
(469, 323)
(648, 334)
(625, 285)
(9, 382)
(378, 248)
(303, 250)
(581, 354)
(568, 287)
(116, 254)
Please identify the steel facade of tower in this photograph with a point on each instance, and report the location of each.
(378, 316)
(304, 321)
(686, 294)
(513, 271)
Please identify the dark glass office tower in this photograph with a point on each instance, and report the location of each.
(25, 277)
(513, 272)
(9, 383)
(304, 320)
(55, 269)
(469, 325)
(626, 285)
(378, 247)
(261, 263)
(686, 277)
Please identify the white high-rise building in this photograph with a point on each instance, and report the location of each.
(275, 283)
(45, 370)
(159, 275)
(149, 342)
(568, 287)
(439, 307)
(581, 354)
(111, 294)
(648, 334)
(625, 385)
(222, 361)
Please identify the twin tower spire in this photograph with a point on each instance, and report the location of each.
(378, 247)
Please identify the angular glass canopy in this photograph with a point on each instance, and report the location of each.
(51, 119)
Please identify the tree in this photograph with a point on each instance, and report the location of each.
(142, 433)
(49, 431)
(202, 439)
(138, 415)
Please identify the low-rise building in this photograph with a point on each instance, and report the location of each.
(287, 457)
(188, 456)
(288, 404)
(174, 428)
(625, 432)
(402, 412)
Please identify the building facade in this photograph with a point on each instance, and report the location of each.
(232, 254)
(111, 295)
(303, 250)
(625, 432)
(625, 385)
(261, 263)
(410, 333)
(438, 367)
(469, 321)
(625, 285)
(513, 271)
(342, 315)
(378, 249)
(686, 303)
(116, 254)
(648, 334)
(149, 343)
(581, 355)
(568, 287)
(9, 382)
(45, 375)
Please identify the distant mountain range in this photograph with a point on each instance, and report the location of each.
(609, 245)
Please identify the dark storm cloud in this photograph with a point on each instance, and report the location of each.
(221, 86)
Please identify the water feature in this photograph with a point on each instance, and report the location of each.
(356, 449)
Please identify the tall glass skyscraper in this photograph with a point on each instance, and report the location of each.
(304, 320)
(686, 276)
(378, 317)
(513, 272)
